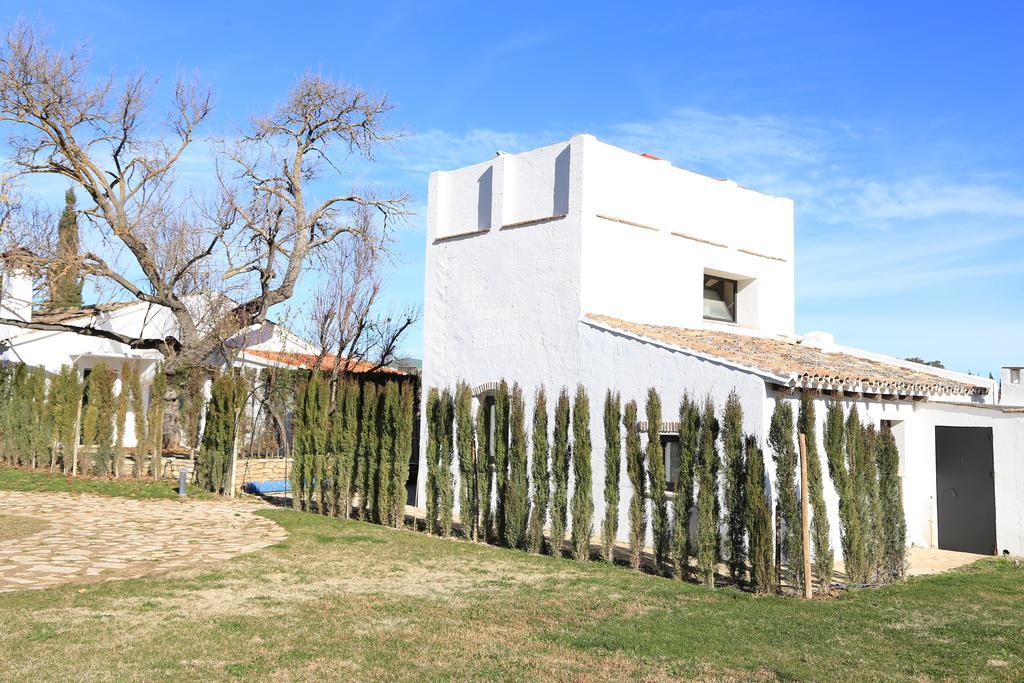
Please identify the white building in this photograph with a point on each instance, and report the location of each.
(261, 346)
(585, 263)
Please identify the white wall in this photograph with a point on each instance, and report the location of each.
(653, 274)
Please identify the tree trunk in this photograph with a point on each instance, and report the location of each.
(172, 417)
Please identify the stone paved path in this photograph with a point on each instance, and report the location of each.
(96, 538)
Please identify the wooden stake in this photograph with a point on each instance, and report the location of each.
(805, 517)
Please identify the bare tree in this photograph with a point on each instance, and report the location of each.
(210, 269)
(351, 333)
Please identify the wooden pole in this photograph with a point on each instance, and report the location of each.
(805, 517)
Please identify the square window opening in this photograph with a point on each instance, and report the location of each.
(719, 299)
(670, 447)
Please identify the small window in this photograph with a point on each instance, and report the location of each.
(670, 447)
(1015, 376)
(719, 299)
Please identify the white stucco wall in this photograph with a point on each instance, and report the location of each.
(507, 300)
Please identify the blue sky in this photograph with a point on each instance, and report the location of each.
(896, 127)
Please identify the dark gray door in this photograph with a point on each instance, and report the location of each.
(965, 489)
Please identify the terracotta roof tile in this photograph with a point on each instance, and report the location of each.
(307, 360)
(803, 365)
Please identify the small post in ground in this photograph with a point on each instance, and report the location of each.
(805, 517)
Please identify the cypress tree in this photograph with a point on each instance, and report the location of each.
(155, 423)
(465, 435)
(501, 401)
(894, 523)
(445, 479)
(759, 520)
(90, 416)
(136, 402)
(583, 488)
(403, 450)
(102, 393)
(367, 448)
(874, 547)
(780, 438)
(64, 278)
(434, 439)
(561, 454)
(483, 475)
(190, 384)
(385, 493)
(689, 445)
(612, 466)
(41, 425)
(122, 417)
(66, 394)
(707, 495)
(637, 482)
(539, 469)
(346, 437)
(823, 555)
(219, 433)
(656, 479)
(517, 497)
(735, 487)
(854, 557)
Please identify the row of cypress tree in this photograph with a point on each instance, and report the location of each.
(506, 497)
(863, 464)
(352, 444)
(42, 417)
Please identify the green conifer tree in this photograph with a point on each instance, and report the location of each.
(735, 487)
(367, 448)
(446, 479)
(638, 485)
(874, 541)
(65, 281)
(501, 409)
(780, 438)
(389, 409)
(854, 541)
(219, 433)
(759, 521)
(121, 418)
(66, 395)
(434, 440)
(136, 402)
(612, 467)
(823, 554)
(583, 487)
(894, 524)
(466, 447)
(707, 495)
(561, 456)
(345, 429)
(403, 451)
(541, 476)
(656, 479)
(483, 476)
(102, 392)
(155, 423)
(689, 446)
(517, 493)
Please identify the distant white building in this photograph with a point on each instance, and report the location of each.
(585, 263)
(265, 345)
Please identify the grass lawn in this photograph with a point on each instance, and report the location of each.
(19, 479)
(344, 599)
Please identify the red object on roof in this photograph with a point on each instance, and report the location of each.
(651, 156)
(307, 360)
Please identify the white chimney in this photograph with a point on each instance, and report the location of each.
(823, 341)
(15, 289)
(1011, 386)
